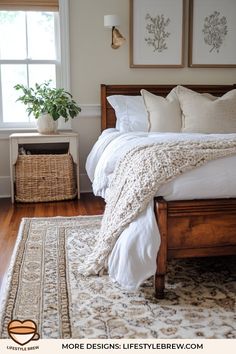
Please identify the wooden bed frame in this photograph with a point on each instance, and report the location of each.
(192, 228)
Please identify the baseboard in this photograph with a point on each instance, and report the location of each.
(85, 183)
(5, 185)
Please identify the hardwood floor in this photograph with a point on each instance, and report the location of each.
(11, 215)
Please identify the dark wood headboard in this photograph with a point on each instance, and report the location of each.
(108, 113)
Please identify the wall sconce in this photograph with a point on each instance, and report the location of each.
(111, 21)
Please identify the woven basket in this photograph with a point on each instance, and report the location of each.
(42, 178)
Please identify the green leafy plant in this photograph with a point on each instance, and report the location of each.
(43, 99)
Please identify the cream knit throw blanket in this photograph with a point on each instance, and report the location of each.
(136, 180)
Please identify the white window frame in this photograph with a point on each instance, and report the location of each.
(62, 68)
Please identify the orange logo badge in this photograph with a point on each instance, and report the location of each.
(23, 332)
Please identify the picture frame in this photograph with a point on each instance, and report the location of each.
(212, 31)
(157, 33)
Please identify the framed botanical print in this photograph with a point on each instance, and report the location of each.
(156, 33)
(212, 33)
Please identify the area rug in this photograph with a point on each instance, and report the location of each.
(44, 285)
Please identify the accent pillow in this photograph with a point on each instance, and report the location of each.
(207, 114)
(131, 114)
(164, 114)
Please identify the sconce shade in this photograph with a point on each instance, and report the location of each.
(111, 21)
(117, 38)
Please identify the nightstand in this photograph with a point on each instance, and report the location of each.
(43, 142)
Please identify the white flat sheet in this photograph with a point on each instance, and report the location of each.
(133, 257)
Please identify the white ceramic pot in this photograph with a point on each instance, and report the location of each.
(46, 124)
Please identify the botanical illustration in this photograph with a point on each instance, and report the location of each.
(215, 30)
(156, 28)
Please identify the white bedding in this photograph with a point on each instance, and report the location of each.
(133, 257)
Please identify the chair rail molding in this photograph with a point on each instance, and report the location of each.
(90, 110)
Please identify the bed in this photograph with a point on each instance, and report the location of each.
(188, 228)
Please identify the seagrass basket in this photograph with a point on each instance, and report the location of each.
(42, 178)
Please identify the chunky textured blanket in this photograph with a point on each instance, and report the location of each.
(136, 180)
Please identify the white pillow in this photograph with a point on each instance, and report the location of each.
(207, 114)
(164, 114)
(131, 114)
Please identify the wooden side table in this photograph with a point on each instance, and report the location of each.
(24, 139)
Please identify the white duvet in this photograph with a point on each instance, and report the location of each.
(133, 258)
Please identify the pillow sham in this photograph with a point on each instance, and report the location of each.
(131, 114)
(207, 114)
(164, 114)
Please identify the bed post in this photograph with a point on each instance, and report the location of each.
(160, 208)
(103, 107)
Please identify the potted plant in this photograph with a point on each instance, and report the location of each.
(48, 104)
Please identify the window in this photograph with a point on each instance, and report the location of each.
(30, 52)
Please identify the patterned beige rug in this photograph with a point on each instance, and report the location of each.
(46, 287)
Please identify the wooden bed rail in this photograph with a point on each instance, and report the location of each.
(193, 228)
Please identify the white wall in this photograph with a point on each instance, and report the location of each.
(94, 62)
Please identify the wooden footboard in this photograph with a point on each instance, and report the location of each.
(195, 228)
